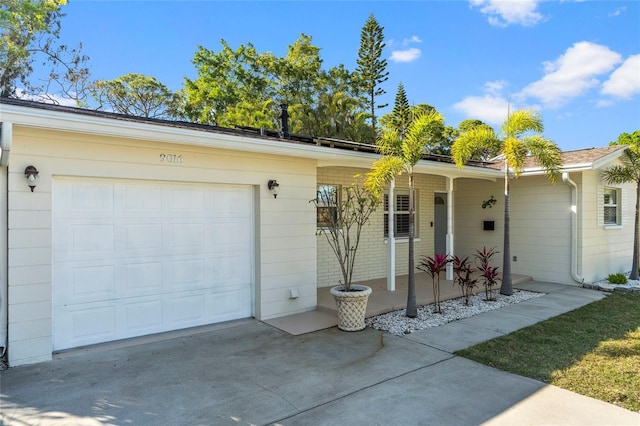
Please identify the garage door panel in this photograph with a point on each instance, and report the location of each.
(88, 197)
(148, 257)
(230, 270)
(186, 235)
(139, 236)
(225, 305)
(188, 274)
(141, 278)
(140, 199)
(142, 317)
(84, 284)
(186, 310)
(230, 235)
(92, 323)
(184, 199)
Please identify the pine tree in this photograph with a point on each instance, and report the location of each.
(371, 68)
(401, 113)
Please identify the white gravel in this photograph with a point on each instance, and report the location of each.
(397, 323)
(606, 285)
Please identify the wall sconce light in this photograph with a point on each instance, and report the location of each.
(274, 187)
(31, 174)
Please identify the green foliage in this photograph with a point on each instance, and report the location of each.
(617, 278)
(372, 68)
(244, 87)
(483, 152)
(521, 137)
(29, 31)
(401, 151)
(628, 171)
(400, 116)
(138, 95)
(631, 139)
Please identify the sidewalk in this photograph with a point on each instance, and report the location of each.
(248, 372)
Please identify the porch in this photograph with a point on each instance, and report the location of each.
(381, 301)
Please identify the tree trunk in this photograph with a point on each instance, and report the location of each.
(634, 262)
(412, 307)
(506, 288)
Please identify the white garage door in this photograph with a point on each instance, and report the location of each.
(132, 258)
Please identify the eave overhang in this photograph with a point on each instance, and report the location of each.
(44, 118)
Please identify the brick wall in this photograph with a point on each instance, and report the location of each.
(371, 260)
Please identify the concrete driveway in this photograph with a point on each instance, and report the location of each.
(249, 373)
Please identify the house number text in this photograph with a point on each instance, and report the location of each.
(171, 158)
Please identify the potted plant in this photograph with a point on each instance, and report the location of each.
(343, 214)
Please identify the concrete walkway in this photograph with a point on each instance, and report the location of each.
(248, 372)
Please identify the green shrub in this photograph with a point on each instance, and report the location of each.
(617, 279)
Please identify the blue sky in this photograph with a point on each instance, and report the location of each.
(576, 62)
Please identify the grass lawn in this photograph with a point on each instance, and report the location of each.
(593, 351)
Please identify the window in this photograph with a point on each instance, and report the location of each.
(400, 214)
(611, 206)
(327, 205)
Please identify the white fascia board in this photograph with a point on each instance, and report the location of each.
(607, 159)
(326, 156)
(536, 171)
(453, 171)
(79, 123)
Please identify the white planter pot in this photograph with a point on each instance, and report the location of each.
(352, 306)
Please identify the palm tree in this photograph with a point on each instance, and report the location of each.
(522, 136)
(628, 171)
(401, 150)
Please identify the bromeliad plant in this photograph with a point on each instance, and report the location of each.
(433, 266)
(343, 216)
(488, 273)
(463, 271)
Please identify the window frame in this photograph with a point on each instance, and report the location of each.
(320, 204)
(616, 205)
(399, 213)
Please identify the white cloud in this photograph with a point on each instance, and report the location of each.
(413, 39)
(491, 108)
(502, 13)
(45, 98)
(618, 12)
(624, 82)
(408, 55)
(572, 74)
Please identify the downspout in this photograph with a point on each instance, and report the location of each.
(574, 228)
(449, 245)
(6, 133)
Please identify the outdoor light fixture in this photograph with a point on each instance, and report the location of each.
(31, 174)
(274, 187)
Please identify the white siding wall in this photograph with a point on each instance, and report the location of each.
(605, 250)
(540, 224)
(284, 236)
(372, 253)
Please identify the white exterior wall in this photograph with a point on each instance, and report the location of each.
(285, 245)
(540, 225)
(605, 249)
(372, 253)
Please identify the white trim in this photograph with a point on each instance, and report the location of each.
(111, 126)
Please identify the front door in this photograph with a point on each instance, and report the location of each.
(440, 223)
